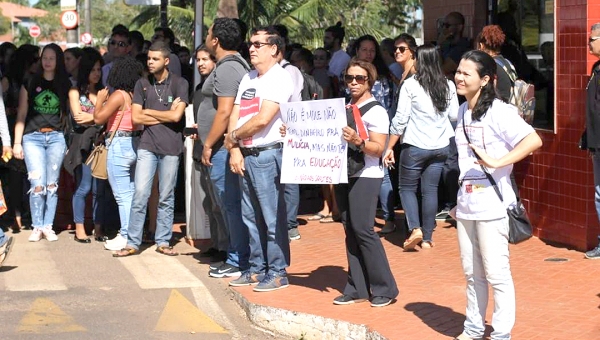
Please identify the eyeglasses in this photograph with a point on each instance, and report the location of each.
(258, 44)
(592, 39)
(402, 48)
(118, 43)
(359, 78)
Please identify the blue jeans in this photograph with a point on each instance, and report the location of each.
(424, 165)
(84, 183)
(120, 163)
(386, 196)
(3, 237)
(147, 164)
(228, 196)
(44, 153)
(292, 202)
(264, 213)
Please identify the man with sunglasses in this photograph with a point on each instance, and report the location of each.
(167, 36)
(593, 123)
(120, 46)
(255, 147)
(452, 43)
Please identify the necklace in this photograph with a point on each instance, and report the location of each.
(160, 96)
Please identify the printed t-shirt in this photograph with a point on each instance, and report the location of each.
(44, 106)
(498, 132)
(162, 138)
(376, 120)
(276, 86)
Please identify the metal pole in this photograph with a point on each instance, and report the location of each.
(87, 8)
(163, 13)
(198, 35)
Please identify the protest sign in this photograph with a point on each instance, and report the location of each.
(314, 151)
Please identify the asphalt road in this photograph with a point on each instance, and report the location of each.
(67, 290)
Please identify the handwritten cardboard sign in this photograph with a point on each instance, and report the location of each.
(314, 151)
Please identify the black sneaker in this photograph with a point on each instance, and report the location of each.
(380, 301)
(225, 270)
(216, 265)
(593, 254)
(346, 300)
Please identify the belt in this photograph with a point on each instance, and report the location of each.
(121, 133)
(256, 150)
(46, 129)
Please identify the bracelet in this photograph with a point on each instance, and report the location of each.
(234, 135)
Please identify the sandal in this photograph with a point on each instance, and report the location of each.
(317, 217)
(165, 250)
(327, 219)
(125, 252)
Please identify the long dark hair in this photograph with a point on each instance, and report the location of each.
(431, 77)
(61, 81)
(382, 70)
(90, 56)
(25, 56)
(486, 66)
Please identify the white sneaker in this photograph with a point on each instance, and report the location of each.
(36, 235)
(49, 234)
(117, 243)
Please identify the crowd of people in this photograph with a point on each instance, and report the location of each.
(423, 118)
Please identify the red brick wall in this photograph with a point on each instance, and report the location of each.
(557, 181)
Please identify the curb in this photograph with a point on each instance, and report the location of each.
(302, 325)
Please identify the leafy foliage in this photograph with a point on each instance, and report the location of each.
(4, 23)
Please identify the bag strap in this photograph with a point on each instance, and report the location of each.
(487, 174)
(112, 135)
(512, 74)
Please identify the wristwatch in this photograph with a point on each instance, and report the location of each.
(234, 135)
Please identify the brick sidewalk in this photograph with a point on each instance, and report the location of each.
(555, 300)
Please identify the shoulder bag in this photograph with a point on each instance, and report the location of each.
(97, 158)
(519, 226)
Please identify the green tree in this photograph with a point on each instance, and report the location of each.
(47, 4)
(19, 2)
(4, 23)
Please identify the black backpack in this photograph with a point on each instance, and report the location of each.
(356, 158)
(311, 89)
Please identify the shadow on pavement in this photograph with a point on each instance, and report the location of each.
(321, 279)
(439, 318)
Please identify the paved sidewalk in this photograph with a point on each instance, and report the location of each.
(555, 300)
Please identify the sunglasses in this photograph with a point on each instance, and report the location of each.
(402, 49)
(258, 44)
(359, 78)
(118, 43)
(592, 39)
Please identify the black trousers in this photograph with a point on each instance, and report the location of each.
(369, 272)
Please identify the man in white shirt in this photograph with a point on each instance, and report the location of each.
(332, 41)
(255, 147)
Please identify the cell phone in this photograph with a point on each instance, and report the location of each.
(188, 131)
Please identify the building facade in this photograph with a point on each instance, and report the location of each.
(556, 182)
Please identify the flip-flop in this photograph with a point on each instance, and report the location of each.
(328, 219)
(317, 217)
(125, 252)
(166, 251)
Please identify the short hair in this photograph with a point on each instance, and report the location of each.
(119, 27)
(337, 31)
(124, 74)
(387, 46)
(595, 27)
(283, 32)
(228, 32)
(273, 37)
(137, 40)
(122, 33)
(168, 33)
(327, 53)
(458, 16)
(365, 65)
(491, 37)
(75, 52)
(162, 47)
(306, 55)
(203, 48)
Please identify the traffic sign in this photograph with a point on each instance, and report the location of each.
(86, 38)
(69, 19)
(35, 31)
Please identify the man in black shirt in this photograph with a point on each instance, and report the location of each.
(158, 103)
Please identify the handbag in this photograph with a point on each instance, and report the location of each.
(97, 158)
(519, 226)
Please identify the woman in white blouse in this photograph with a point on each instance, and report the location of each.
(427, 103)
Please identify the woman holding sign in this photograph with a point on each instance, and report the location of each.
(369, 274)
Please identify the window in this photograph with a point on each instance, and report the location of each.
(529, 29)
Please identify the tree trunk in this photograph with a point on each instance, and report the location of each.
(227, 9)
